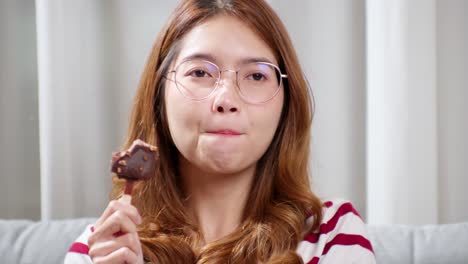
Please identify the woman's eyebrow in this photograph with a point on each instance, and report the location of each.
(255, 59)
(211, 58)
(203, 56)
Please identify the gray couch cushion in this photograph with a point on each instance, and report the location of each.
(47, 242)
(429, 244)
(392, 244)
(28, 242)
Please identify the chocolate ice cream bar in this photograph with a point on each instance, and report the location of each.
(139, 162)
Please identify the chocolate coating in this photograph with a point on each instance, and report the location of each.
(139, 162)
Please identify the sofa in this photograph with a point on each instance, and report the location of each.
(25, 242)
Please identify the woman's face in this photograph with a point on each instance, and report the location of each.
(223, 133)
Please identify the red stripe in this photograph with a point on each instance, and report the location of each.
(331, 224)
(348, 240)
(78, 247)
(314, 260)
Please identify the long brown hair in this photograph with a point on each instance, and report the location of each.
(280, 197)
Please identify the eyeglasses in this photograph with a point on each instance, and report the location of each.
(257, 82)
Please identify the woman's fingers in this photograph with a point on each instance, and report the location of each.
(115, 238)
(105, 248)
(118, 222)
(115, 206)
(121, 255)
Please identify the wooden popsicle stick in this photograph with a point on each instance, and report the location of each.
(127, 196)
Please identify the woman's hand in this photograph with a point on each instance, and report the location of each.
(115, 238)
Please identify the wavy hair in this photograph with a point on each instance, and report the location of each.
(280, 197)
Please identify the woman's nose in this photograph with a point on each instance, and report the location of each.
(222, 109)
(227, 99)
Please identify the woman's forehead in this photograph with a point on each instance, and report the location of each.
(226, 41)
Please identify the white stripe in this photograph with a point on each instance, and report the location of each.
(76, 258)
(83, 238)
(348, 254)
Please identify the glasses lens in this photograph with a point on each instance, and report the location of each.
(259, 82)
(196, 79)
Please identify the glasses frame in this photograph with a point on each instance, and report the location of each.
(237, 80)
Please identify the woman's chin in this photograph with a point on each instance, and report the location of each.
(224, 166)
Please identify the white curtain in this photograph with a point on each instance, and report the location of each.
(19, 138)
(417, 86)
(402, 157)
(389, 78)
(90, 56)
(390, 82)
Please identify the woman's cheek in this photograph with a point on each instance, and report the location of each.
(175, 114)
(184, 127)
(269, 123)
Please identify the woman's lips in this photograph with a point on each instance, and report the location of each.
(225, 132)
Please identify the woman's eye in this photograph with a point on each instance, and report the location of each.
(257, 76)
(199, 73)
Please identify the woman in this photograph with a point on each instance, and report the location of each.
(226, 102)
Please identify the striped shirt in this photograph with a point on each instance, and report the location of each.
(341, 238)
